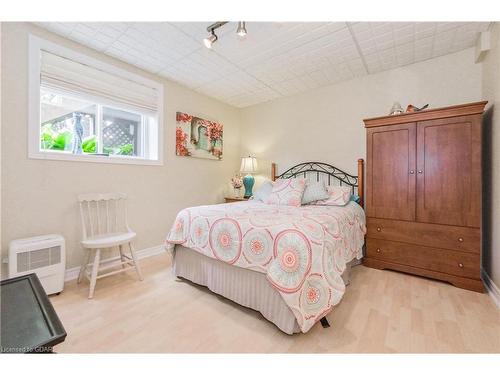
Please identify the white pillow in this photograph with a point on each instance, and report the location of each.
(315, 191)
(338, 196)
(263, 192)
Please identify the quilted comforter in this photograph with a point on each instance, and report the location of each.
(302, 250)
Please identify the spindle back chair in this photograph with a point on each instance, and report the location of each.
(105, 226)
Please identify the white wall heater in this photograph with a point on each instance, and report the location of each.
(43, 255)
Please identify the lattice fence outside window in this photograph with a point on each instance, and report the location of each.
(120, 134)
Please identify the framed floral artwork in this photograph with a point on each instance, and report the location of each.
(198, 137)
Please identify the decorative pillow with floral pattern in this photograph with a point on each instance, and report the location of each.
(287, 192)
(338, 196)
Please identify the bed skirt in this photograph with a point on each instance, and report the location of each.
(246, 287)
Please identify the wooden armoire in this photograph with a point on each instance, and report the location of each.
(423, 194)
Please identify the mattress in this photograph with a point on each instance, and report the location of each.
(243, 286)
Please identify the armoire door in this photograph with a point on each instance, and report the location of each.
(449, 171)
(391, 172)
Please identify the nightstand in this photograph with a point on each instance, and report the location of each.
(233, 199)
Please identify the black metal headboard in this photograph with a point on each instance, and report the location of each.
(329, 171)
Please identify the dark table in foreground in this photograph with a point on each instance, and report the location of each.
(29, 323)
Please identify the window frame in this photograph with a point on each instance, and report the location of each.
(36, 46)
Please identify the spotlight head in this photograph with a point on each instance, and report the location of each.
(210, 40)
(241, 30)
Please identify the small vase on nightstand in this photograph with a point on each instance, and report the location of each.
(237, 192)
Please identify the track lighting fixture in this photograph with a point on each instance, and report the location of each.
(241, 31)
(210, 40)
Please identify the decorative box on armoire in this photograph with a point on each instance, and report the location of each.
(423, 194)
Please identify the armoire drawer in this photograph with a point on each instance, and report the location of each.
(447, 261)
(434, 235)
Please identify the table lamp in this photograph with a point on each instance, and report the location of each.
(248, 166)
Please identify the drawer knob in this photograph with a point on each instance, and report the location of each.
(461, 265)
(460, 239)
(379, 229)
(412, 172)
(420, 171)
(378, 250)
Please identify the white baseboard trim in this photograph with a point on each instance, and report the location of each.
(492, 289)
(72, 273)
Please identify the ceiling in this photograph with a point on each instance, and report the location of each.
(275, 59)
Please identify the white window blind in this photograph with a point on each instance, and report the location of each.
(73, 77)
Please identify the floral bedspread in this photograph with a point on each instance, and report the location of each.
(302, 250)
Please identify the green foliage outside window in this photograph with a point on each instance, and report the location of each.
(89, 144)
(127, 149)
(55, 140)
(61, 140)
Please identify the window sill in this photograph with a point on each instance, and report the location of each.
(115, 159)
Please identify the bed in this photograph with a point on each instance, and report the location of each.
(291, 264)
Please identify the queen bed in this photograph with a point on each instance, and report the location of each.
(289, 262)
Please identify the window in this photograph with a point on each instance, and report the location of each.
(105, 130)
(84, 110)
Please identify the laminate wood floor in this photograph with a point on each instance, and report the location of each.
(381, 312)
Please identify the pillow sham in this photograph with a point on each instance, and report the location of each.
(287, 192)
(338, 196)
(314, 191)
(263, 191)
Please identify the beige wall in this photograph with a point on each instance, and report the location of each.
(39, 196)
(491, 217)
(326, 124)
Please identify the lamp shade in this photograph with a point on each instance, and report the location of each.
(248, 165)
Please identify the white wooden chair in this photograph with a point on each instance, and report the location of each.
(105, 226)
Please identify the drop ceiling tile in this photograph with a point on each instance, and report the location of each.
(104, 38)
(387, 56)
(120, 26)
(303, 39)
(445, 40)
(380, 28)
(445, 26)
(424, 42)
(109, 31)
(80, 37)
(384, 43)
(95, 44)
(383, 38)
(357, 67)
(61, 28)
(425, 34)
(425, 27)
(359, 27)
(402, 39)
(405, 31)
(85, 29)
(405, 48)
(372, 62)
(213, 61)
(282, 88)
(368, 47)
